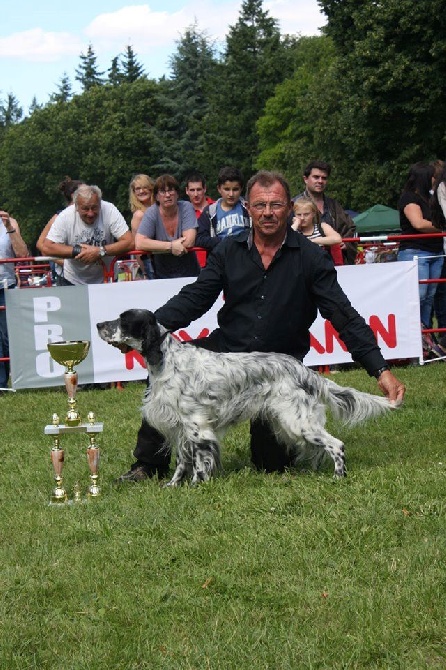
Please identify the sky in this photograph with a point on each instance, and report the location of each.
(40, 42)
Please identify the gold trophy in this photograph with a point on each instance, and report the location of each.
(69, 354)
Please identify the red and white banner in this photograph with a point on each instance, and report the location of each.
(386, 295)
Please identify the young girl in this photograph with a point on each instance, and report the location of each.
(307, 220)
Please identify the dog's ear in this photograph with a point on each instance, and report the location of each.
(151, 340)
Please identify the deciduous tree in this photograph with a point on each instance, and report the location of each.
(103, 136)
(390, 73)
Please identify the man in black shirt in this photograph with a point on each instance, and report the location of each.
(274, 281)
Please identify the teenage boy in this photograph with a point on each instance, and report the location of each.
(228, 216)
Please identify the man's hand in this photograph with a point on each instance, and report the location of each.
(392, 388)
(6, 221)
(89, 254)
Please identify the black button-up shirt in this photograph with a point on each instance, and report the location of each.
(273, 309)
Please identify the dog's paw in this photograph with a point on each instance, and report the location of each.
(171, 484)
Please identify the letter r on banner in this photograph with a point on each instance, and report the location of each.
(45, 334)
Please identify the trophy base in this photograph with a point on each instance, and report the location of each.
(59, 497)
(62, 429)
(91, 429)
(72, 420)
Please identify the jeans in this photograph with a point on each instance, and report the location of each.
(440, 299)
(4, 342)
(429, 267)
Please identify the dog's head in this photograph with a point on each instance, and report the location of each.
(134, 329)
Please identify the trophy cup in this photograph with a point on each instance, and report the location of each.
(69, 354)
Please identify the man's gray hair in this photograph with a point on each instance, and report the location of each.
(266, 179)
(86, 192)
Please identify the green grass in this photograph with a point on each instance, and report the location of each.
(247, 571)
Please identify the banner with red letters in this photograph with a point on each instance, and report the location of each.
(386, 295)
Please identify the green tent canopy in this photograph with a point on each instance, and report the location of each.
(378, 219)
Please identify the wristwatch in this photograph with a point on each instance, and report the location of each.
(379, 372)
(76, 250)
(102, 251)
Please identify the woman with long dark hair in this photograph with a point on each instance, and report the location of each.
(415, 219)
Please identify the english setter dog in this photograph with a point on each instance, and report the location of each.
(195, 395)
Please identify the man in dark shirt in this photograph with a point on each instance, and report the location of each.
(274, 281)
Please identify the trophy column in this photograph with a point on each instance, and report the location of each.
(57, 458)
(69, 354)
(93, 461)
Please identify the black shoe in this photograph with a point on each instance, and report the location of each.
(94, 387)
(140, 471)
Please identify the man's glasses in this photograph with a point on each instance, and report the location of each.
(274, 206)
(165, 191)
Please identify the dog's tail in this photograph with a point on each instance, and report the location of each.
(352, 406)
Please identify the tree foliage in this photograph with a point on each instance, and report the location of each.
(131, 68)
(125, 68)
(114, 72)
(88, 74)
(103, 136)
(193, 69)
(10, 111)
(64, 91)
(391, 69)
(255, 60)
(367, 96)
(293, 128)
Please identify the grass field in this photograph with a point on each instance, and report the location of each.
(249, 571)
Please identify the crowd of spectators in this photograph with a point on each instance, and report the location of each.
(89, 232)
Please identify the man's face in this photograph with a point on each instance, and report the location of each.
(316, 181)
(196, 193)
(230, 192)
(88, 209)
(269, 209)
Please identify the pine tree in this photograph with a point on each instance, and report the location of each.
(256, 59)
(130, 68)
(34, 105)
(115, 76)
(64, 92)
(87, 74)
(193, 65)
(10, 111)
